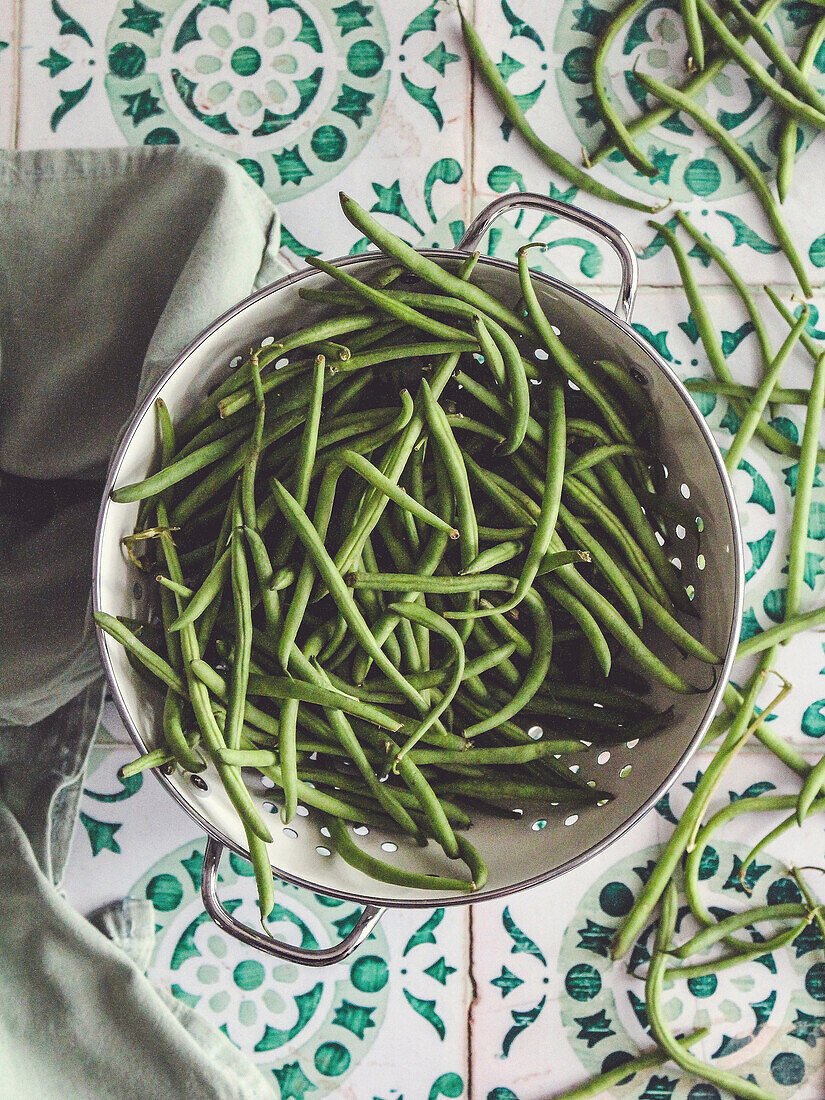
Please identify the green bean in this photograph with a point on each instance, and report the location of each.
(653, 995)
(489, 349)
(147, 657)
(379, 869)
(504, 790)
(616, 129)
(173, 586)
(502, 534)
(602, 454)
(806, 340)
(753, 415)
(427, 269)
(782, 632)
(691, 88)
(693, 29)
(416, 613)
(175, 472)
(156, 758)
(794, 77)
(175, 737)
(587, 622)
(493, 556)
(758, 950)
(789, 133)
(739, 159)
(413, 582)
(386, 486)
(242, 649)
(781, 395)
(388, 304)
(707, 937)
(669, 625)
(797, 555)
(603, 1082)
(508, 104)
(604, 562)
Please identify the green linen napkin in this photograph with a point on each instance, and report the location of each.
(111, 262)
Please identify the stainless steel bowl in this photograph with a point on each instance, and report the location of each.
(519, 853)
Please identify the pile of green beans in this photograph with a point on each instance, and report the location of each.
(389, 543)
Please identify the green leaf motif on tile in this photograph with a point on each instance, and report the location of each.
(731, 119)
(657, 339)
(424, 21)
(813, 319)
(518, 27)
(583, 982)
(801, 13)
(637, 32)
(68, 24)
(591, 260)
(447, 170)
(588, 109)
(69, 101)
(732, 340)
(101, 834)
(785, 426)
(807, 1028)
(593, 1029)
(440, 971)
(812, 569)
(774, 604)
(521, 1021)
(353, 104)
(424, 933)
(501, 178)
(662, 161)
(129, 786)
(126, 60)
(360, 246)
(425, 97)
(762, 1011)
(689, 328)
(501, 1093)
(760, 494)
(659, 1088)
(743, 234)
(700, 255)
(656, 246)
(639, 1010)
(390, 201)
(344, 925)
(180, 994)
(744, 885)
(792, 472)
(141, 105)
(293, 1083)
(595, 937)
(186, 90)
(522, 944)
(305, 1003)
(140, 17)
(440, 57)
(352, 16)
(5, 46)
(291, 166)
(676, 125)
(426, 1009)
(55, 62)
(355, 1018)
(448, 1084)
(813, 720)
(194, 867)
(507, 981)
(185, 948)
(753, 791)
(816, 521)
(816, 253)
(645, 872)
(294, 245)
(590, 20)
(507, 66)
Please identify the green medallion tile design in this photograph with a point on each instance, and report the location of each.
(300, 1024)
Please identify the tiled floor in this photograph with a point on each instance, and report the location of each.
(513, 999)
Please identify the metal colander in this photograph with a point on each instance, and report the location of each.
(536, 846)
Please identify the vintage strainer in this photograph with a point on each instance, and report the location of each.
(540, 845)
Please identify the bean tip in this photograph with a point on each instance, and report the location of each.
(454, 533)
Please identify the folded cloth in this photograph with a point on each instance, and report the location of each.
(80, 1022)
(111, 262)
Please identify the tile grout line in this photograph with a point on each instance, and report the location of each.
(473, 998)
(471, 150)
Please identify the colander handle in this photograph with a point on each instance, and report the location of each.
(532, 200)
(323, 956)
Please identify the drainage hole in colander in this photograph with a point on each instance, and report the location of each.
(537, 826)
(659, 537)
(267, 782)
(388, 846)
(700, 523)
(291, 833)
(322, 851)
(234, 363)
(518, 811)
(632, 744)
(324, 831)
(680, 531)
(700, 561)
(302, 811)
(540, 353)
(360, 830)
(199, 783)
(685, 490)
(571, 820)
(625, 771)
(535, 732)
(690, 591)
(281, 363)
(575, 767)
(137, 590)
(677, 562)
(603, 757)
(267, 340)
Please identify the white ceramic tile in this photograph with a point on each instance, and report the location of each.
(9, 63)
(551, 1007)
(545, 51)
